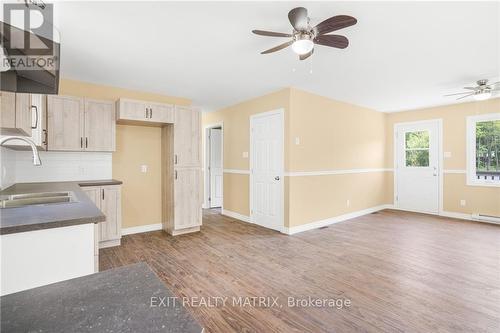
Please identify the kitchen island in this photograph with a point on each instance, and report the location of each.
(116, 300)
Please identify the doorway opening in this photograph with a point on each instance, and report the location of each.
(214, 173)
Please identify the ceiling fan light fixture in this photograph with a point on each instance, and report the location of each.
(482, 95)
(302, 46)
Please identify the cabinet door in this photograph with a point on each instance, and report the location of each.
(111, 208)
(65, 123)
(23, 113)
(187, 198)
(161, 113)
(132, 110)
(100, 125)
(8, 109)
(94, 193)
(187, 143)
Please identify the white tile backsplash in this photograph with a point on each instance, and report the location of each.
(7, 167)
(62, 166)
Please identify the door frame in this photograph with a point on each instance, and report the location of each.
(280, 112)
(206, 173)
(396, 127)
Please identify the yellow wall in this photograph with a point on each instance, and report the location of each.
(135, 145)
(485, 200)
(339, 136)
(236, 120)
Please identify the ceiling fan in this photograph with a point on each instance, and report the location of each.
(481, 92)
(304, 36)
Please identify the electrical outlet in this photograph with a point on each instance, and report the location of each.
(462, 203)
(447, 154)
(348, 203)
(245, 154)
(297, 140)
(144, 168)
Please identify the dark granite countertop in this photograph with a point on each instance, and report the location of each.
(117, 300)
(37, 217)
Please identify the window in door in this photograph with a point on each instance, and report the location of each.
(417, 149)
(483, 153)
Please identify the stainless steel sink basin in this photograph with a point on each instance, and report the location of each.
(42, 198)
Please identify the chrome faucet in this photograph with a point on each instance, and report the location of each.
(36, 156)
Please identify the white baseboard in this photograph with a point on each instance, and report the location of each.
(456, 215)
(142, 228)
(235, 215)
(332, 220)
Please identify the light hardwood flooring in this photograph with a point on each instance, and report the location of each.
(402, 272)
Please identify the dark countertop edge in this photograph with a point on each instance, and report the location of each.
(105, 182)
(51, 225)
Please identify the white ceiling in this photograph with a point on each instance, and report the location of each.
(401, 55)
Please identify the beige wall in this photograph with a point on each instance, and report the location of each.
(485, 200)
(339, 136)
(135, 145)
(236, 120)
(323, 127)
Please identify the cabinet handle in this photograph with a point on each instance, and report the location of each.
(175, 159)
(175, 172)
(150, 112)
(102, 191)
(36, 114)
(81, 142)
(44, 142)
(146, 112)
(86, 142)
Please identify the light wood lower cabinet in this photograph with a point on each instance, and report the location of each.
(15, 111)
(108, 200)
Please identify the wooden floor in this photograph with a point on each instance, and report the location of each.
(401, 271)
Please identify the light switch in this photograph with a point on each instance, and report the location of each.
(245, 154)
(447, 154)
(462, 203)
(297, 140)
(144, 168)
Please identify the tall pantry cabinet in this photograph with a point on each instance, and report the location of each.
(182, 177)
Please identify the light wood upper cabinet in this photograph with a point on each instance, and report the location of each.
(15, 113)
(147, 113)
(161, 113)
(187, 198)
(100, 129)
(65, 123)
(78, 124)
(187, 143)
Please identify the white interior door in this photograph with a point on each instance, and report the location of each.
(417, 166)
(266, 163)
(215, 167)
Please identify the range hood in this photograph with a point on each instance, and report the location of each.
(23, 71)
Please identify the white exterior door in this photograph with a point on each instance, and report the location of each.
(215, 167)
(266, 163)
(417, 166)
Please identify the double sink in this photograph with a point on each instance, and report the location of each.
(41, 198)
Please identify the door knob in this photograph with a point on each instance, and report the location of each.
(277, 178)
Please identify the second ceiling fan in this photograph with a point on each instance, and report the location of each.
(303, 36)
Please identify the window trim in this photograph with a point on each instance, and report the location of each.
(471, 149)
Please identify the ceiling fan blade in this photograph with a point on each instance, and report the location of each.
(337, 41)
(270, 33)
(298, 18)
(335, 23)
(461, 93)
(465, 96)
(277, 48)
(307, 55)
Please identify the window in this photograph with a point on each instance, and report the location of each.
(417, 149)
(483, 150)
